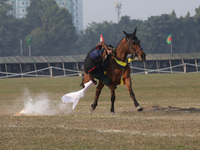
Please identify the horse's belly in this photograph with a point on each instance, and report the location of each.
(116, 79)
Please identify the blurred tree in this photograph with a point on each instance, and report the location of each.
(5, 7)
(53, 33)
(9, 31)
(33, 17)
(54, 26)
(197, 15)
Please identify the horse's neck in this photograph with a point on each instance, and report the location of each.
(121, 50)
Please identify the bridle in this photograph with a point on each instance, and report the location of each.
(131, 40)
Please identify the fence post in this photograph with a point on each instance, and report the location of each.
(63, 65)
(184, 66)
(6, 69)
(196, 65)
(78, 69)
(170, 63)
(35, 69)
(131, 67)
(20, 66)
(157, 65)
(51, 71)
(145, 72)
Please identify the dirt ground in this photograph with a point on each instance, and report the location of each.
(170, 119)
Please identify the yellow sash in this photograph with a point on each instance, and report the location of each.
(123, 65)
(120, 63)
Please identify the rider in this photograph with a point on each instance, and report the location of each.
(92, 63)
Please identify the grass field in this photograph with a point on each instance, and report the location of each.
(170, 119)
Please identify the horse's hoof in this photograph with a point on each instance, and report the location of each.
(112, 113)
(91, 109)
(139, 108)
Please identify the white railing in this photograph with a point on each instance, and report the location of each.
(62, 72)
(172, 69)
(45, 72)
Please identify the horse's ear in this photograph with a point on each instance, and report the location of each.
(135, 31)
(125, 33)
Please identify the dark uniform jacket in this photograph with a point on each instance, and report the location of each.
(90, 66)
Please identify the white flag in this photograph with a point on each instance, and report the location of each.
(74, 97)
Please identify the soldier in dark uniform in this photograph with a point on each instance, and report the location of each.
(92, 64)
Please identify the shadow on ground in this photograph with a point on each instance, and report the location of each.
(170, 108)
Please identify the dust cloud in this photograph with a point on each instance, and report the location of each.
(42, 105)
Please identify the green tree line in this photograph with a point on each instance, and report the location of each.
(52, 32)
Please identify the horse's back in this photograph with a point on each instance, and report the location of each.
(113, 71)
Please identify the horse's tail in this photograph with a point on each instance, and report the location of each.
(82, 83)
(83, 74)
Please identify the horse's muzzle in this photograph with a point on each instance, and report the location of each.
(142, 57)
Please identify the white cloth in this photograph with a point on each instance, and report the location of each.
(74, 97)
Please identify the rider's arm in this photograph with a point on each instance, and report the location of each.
(106, 48)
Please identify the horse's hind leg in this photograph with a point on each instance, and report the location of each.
(129, 87)
(98, 92)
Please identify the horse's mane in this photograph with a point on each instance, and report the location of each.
(119, 42)
(132, 37)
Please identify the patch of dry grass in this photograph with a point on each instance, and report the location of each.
(127, 129)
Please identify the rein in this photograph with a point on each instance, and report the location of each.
(123, 64)
(128, 41)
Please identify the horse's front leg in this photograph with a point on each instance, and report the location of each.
(98, 92)
(129, 87)
(112, 109)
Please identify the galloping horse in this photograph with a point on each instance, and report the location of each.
(118, 68)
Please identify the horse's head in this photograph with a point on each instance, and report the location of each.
(134, 45)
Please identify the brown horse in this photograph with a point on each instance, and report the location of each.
(118, 68)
